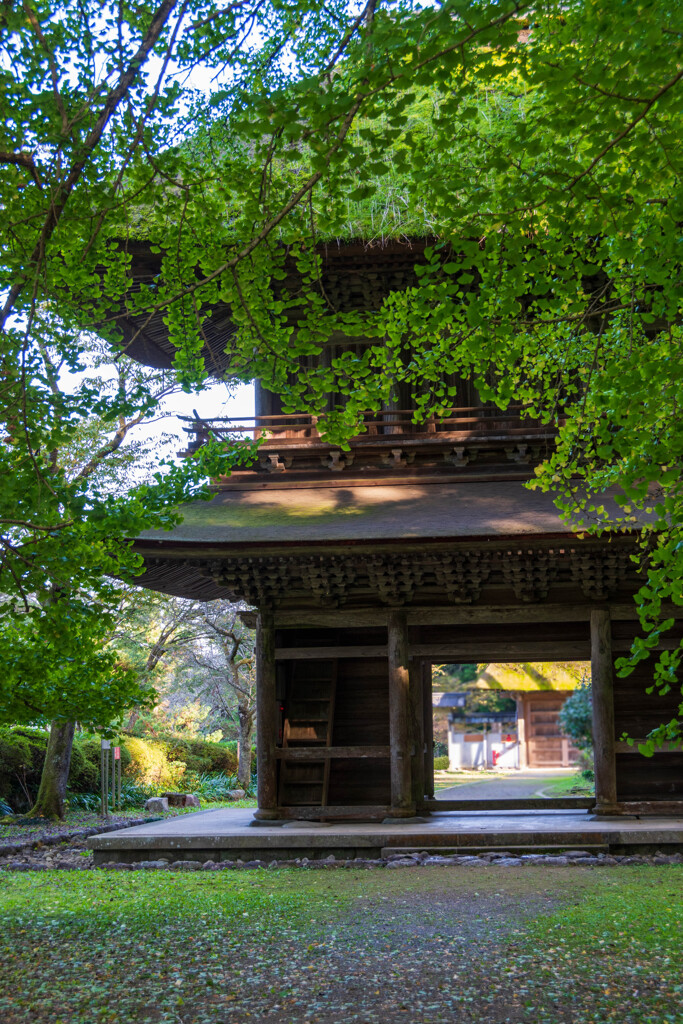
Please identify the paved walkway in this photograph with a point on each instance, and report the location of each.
(504, 787)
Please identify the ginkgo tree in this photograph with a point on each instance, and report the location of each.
(536, 145)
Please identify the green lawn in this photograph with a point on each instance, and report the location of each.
(543, 945)
(575, 785)
(447, 779)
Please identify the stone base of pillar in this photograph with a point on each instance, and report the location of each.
(265, 816)
(400, 813)
(606, 810)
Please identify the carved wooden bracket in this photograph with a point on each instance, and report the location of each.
(397, 458)
(337, 460)
(273, 462)
(520, 453)
(457, 457)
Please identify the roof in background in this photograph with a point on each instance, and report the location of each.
(533, 677)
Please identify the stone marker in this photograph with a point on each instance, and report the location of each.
(157, 803)
(181, 799)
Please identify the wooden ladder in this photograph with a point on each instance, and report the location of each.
(308, 723)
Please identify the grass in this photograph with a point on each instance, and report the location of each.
(574, 785)
(447, 779)
(540, 945)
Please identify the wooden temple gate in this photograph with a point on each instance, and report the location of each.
(419, 545)
(362, 745)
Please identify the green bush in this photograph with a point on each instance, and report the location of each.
(441, 763)
(84, 774)
(576, 717)
(202, 756)
(214, 786)
(22, 753)
(149, 764)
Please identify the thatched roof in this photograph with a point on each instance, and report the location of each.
(539, 676)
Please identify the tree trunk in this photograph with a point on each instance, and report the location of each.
(52, 790)
(246, 720)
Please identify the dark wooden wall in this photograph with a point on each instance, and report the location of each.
(361, 718)
(636, 712)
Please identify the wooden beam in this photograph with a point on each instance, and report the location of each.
(355, 812)
(472, 650)
(329, 753)
(602, 685)
(402, 805)
(266, 717)
(666, 748)
(656, 808)
(558, 803)
(325, 653)
(459, 615)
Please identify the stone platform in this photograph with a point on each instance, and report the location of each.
(227, 834)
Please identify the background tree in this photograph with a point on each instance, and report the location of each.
(94, 457)
(225, 653)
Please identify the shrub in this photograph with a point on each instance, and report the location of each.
(202, 756)
(84, 774)
(215, 786)
(576, 717)
(148, 761)
(441, 763)
(22, 753)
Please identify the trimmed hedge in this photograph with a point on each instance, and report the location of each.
(441, 763)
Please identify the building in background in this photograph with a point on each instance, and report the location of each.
(531, 736)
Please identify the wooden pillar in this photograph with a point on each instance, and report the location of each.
(602, 684)
(428, 729)
(402, 805)
(266, 717)
(417, 761)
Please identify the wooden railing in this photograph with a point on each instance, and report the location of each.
(472, 421)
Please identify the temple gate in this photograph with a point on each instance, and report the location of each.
(420, 544)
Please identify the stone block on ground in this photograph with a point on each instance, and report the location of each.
(236, 794)
(181, 799)
(157, 803)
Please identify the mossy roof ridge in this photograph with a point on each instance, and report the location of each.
(531, 677)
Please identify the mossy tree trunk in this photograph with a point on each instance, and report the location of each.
(52, 790)
(246, 723)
